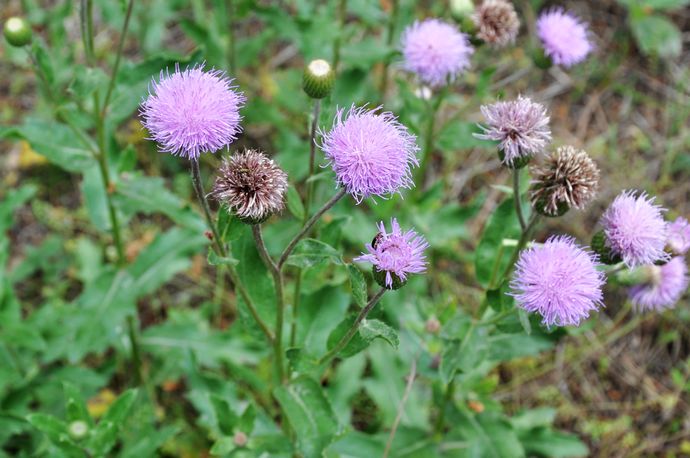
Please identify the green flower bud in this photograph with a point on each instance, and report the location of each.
(318, 79)
(541, 60)
(380, 277)
(641, 275)
(517, 163)
(240, 439)
(604, 252)
(78, 430)
(461, 8)
(17, 32)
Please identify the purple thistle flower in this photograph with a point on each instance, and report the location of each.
(666, 287)
(192, 112)
(371, 153)
(564, 36)
(559, 280)
(437, 52)
(679, 236)
(396, 254)
(521, 126)
(635, 229)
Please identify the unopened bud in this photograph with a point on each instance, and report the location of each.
(17, 32)
(78, 430)
(517, 163)
(541, 60)
(433, 325)
(380, 277)
(318, 79)
(600, 247)
(240, 439)
(461, 8)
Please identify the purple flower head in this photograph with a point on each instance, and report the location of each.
(396, 253)
(564, 36)
(521, 126)
(559, 280)
(371, 153)
(192, 112)
(635, 229)
(437, 52)
(679, 236)
(666, 287)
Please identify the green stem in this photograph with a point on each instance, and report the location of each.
(201, 196)
(280, 300)
(118, 57)
(447, 398)
(342, 343)
(429, 138)
(517, 200)
(232, 65)
(521, 244)
(389, 41)
(342, 11)
(308, 225)
(86, 24)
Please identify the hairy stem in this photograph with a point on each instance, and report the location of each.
(342, 343)
(118, 57)
(516, 199)
(447, 398)
(201, 196)
(429, 138)
(389, 41)
(308, 225)
(401, 407)
(526, 234)
(280, 300)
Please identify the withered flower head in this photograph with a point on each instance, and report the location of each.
(251, 185)
(567, 178)
(497, 22)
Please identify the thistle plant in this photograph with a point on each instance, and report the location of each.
(319, 290)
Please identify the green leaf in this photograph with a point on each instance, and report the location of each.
(492, 255)
(358, 285)
(223, 446)
(294, 203)
(490, 434)
(106, 431)
(546, 442)
(505, 347)
(14, 199)
(216, 260)
(467, 347)
(666, 4)
(309, 414)
(524, 321)
(310, 252)
(366, 333)
(246, 423)
(656, 35)
(95, 198)
(56, 141)
(56, 431)
(225, 417)
(76, 407)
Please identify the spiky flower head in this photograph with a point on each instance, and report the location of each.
(520, 126)
(436, 51)
(564, 36)
(559, 280)
(635, 229)
(251, 185)
(395, 255)
(497, 22)
(567, 178)
(679, 236)
(371, 153)
(192, 111)
(665, 286)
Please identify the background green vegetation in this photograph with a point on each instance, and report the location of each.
(620, 382)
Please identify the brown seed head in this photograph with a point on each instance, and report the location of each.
(251, 185)
(497, 22)
(567, 178)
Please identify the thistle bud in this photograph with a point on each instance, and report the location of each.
(78, 430)
(567, 178)
(432, 325)
(240, 439)
(251, 185)
(17, 32)
(517, 163)
(600, 247)
(318, 79)
(541, 60)
(461, 8)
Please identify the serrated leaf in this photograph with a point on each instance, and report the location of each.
(492, 257)
(56, 431)
(225, 417)
(358, 285)
(294, 203)
(309, 413)
(310, 252)
(105, 433)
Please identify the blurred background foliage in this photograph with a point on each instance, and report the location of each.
(620, 382)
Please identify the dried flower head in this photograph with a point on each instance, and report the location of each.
(564, 36)
(371, 153)
(667, 284)
(559, 280)
(567, 178)
(497, 22)
(192, 112)
(251, 185)
(635, 229)
(679, 236)
(436, 51)
(395, 255)
(521, 126)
